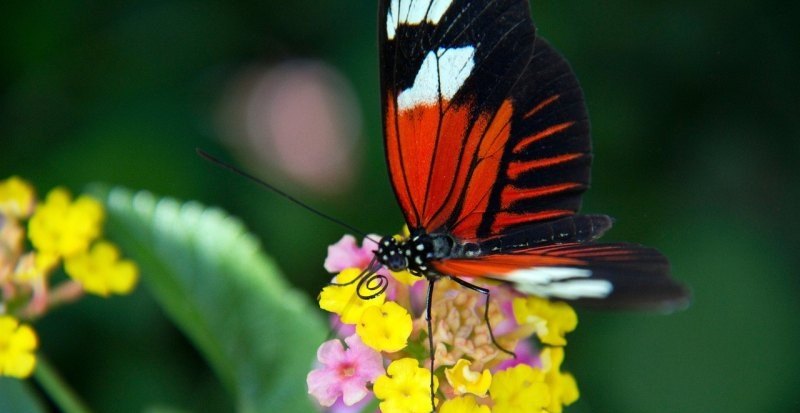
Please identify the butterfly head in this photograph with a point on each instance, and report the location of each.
(410, 254)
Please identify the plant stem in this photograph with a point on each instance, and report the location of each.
(57, 389)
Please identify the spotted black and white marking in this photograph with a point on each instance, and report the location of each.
(414, 253)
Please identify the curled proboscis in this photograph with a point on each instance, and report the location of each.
(372, 285)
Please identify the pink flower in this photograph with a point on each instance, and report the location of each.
(340, 407)
(346, 254)
(344, 373)
(526, 354)
(504, 298)
(342, 330)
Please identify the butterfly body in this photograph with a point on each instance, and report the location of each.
(420, 249)
(414, 253)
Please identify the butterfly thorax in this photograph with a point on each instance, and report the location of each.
(414, 253)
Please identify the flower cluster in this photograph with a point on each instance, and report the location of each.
(387, 348)
(36, 240)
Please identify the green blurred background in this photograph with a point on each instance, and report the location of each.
(693, 105)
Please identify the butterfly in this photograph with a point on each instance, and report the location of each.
(488, 149)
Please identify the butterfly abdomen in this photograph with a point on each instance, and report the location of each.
(574, 228)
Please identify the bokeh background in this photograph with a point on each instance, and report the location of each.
(694, 106)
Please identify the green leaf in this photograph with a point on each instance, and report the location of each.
(17, 397)
(214, 281)
(164, 409)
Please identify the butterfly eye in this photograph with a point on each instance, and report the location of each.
(397, 262)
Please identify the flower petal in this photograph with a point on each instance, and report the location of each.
(323, 384)
(330, 352)
(345, 254)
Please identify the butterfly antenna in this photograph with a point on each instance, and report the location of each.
(274, 189)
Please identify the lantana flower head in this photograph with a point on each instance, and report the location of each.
(460, 330)
(17, 197)
(473, 372)
(61, 230)
(17, 345)
(101, 271)
(64, 227)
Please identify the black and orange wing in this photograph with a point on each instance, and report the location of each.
(545, 167)
(487, 140)
(609, 275)
(447, 71)
(485, 125)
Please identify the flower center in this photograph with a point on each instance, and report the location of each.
(347, 370)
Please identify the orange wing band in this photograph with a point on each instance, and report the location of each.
(499, 265)
(552, 130)
(505, 219)
(516, 168)
(434, 151)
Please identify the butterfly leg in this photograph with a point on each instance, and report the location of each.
(428, 319)
(487, 294)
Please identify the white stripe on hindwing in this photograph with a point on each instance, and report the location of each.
(413, 12)
(451, 66)
(560, 282)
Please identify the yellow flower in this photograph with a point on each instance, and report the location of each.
(100, 270)
(64, 227)
(17, 197)
(465, 380)
(405, 277)
(405, 388)
(563, 388)
(465, 404)
(520, 389)
(551, 320)
(385, 328)
(17, 344)
(344, 301)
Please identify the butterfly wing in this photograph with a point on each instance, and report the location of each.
(610, 275)
(487, 140)
(485, 125)
(545, 167)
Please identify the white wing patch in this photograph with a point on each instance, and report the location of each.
(560, 282)
(451, 66)
(414, 12)
(545, 275)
